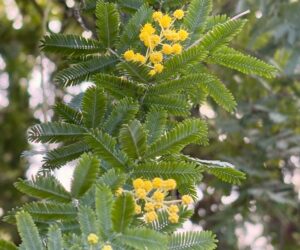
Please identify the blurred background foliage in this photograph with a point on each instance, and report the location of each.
(261, 138)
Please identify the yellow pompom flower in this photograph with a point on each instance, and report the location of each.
(139, 58)
(178, 14)
(149, 207)
(157, 15)
(156, 57)
(144, 36)
(107, 247)
(148, 186)
(151, 216)
(152, 72)
(171, 35)
(137, 209)
(186, 199)
(177, 48)
(138, 183)
(158, 196)
(169, 184)
(119, 191)
(173, 217)
(92, 239)
(158, 68)
(173, 209)
(148, 28)
(151, 41)
(167, 49)
(165, 21)
(129, 55)
(183, 34)
(141, 193)
(157, 182)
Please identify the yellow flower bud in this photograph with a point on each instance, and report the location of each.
(151, 216)
(158, 205)
(156, 57)
(183, 34)
(177, 48)
(137, 209)
(92, 239)
(157, 15)
(169, 184)
(138, 183)
(165, 21)
(173, 217)
(149, 207)
(139, 58)
(152, 72)
(157, 182)
(186, 199)
(167, 49)
(158, 68)
(141, 193)
(129, 55)
(107, 247)
(158, 196)
(148, 186)
(173, 209)
(171, 35)
(178, 14)
(119, 191)
(148, 28)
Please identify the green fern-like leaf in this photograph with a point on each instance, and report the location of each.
(112, 179)
(53, 132)
(85, 175)
(155, 124)
(93, 107)
(62, 155)
(107, 23)
(122, 212)
(144, 239)
(222, 34)
(54, 239)
(186, 132)
(133, 139)
(223, 170)
(70, 45)
(80, 72)
(47, 212)
(118, 87)
(162, 224)
(181, 62)
(204, 240)
(182, 172)
(196, 18)
(132, 28)
(68, 114)
(28, 232)
(105, 147)
(121, 114)
(215, 20)
(246, 64)
(87, 220)
(134, 71)
(175, 105)
(104, 203)
(45, 188)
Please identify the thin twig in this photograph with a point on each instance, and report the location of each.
(240, 15)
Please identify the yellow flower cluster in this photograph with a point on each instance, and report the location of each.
(161, 40)
(107, 247)
(150, 197)
(92, 239)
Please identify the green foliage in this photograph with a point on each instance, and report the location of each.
(85, 175)
(193, 241)
(6, 245)
(130, 125)
(28, 232)
(107, 23)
